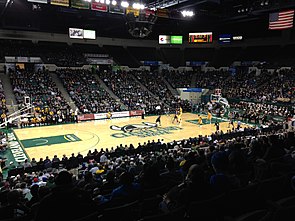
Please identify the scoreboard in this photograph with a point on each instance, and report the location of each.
(200, 37)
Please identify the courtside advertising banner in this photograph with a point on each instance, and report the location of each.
(100, 116)
(120, 114)
(86, 117)
(135, 113)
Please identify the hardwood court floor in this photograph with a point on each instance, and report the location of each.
(80, 137)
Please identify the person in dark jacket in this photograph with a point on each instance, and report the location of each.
(65, 202)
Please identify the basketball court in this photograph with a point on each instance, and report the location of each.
(39, 142)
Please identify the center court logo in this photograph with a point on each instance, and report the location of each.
(142, 130)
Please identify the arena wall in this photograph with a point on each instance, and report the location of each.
(54, 37)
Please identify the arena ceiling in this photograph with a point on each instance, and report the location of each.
(245, 17)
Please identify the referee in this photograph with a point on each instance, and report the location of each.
(158, 121)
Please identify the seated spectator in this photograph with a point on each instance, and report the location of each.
(222, 181)
(128, 191)
(67, 202)
(194, 188)
(16, 207)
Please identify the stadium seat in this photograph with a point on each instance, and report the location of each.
(126, 212)
(90, 217)
(284, 214)
(155, 191)
(177, 214)
(271, 189)
(285, 202)
(257, 215)
(242, 200)
(150, 206)
(210, 209)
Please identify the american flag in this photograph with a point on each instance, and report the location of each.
(281, 20)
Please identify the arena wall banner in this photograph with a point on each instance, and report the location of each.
(60, 2)
(35, 60)
(120, 114)
(130, 10)
(81, 4)
(100, 116)
(99, 61)
(97, 6)
(39, 1)
(86, 117)
(135, 113)
(22, 59)
(10, 59)
(149, 12)
(116, 9)
(164, 13)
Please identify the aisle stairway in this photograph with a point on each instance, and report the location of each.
(194, 80)
(63, 91)
(145, 89)
(8, 92)
(111, 93)
(171, 89)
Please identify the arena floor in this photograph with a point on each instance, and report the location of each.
(81, 137)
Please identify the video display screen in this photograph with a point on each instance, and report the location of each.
(76, 33)
(200, 37)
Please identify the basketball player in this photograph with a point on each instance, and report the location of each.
(175, 116)
(230, 115)
(209, 117)
(3, 117)
(217, 125)
(109, 115)
(158, 121)
(239, 125)
(167, 111)
(179, 116)
(180, 111)
(231, 122)
(200, 120)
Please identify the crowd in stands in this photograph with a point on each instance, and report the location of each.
(252, 165)
(244, 85)
(49, 104)
(211, 79)
(86, 92)
(3, 108)
(183, 173)
(153, 81)
(130, 92)
(262, 110)
(39, 87)
(179, 79)
(62, 55)
(15, 48)
(280, 88)
(276, 86)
